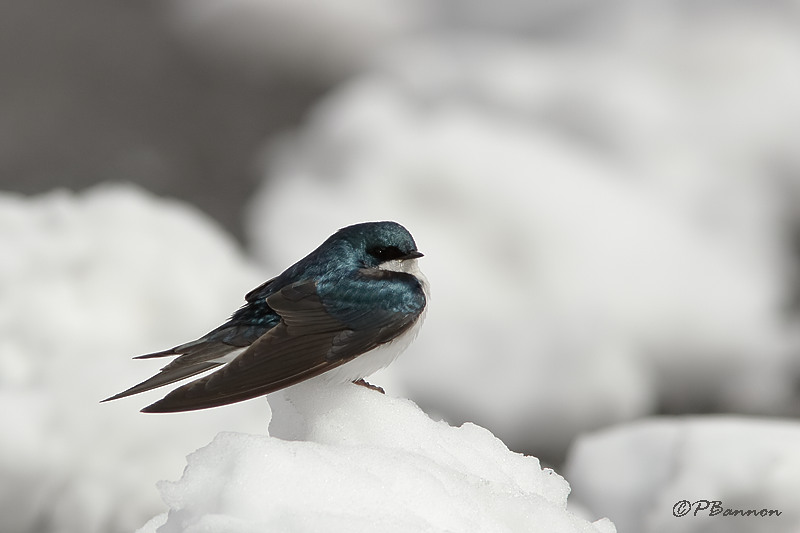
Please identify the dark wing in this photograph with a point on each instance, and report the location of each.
(244, 327)
(311, 338)
(198, 357)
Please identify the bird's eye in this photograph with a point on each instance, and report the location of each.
(385, 253)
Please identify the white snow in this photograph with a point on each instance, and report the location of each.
(597, 249)
(88, 281)
(345, 458)
(637, 472)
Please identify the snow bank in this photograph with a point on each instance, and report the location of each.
(88, 281)
(569, 289)
(636, 473)
(349, 459)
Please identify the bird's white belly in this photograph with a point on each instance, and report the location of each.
(375, 359)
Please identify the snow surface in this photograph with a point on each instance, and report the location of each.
(635, 473)
(348, 459)
(88, 281)
(602, 241)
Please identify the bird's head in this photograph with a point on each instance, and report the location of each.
(384, 245)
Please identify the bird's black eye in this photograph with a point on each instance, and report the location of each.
(385, 253)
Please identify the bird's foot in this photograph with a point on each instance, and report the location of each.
(369, 385)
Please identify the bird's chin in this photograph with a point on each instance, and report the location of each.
(409, 266)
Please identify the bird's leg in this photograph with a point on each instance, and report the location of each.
(369, 385)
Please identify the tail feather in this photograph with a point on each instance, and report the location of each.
(165, 378)
(153, 355)
(199, 346)
(195, 357)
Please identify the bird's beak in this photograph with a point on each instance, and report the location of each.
(412, 255)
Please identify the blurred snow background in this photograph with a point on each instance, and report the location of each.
(86, 283)
(607, 196)
(637, 472)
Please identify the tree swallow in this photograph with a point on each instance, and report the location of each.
(345, 310)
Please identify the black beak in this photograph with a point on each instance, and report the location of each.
(411, 255)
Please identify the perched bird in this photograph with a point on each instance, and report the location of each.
(345, 310)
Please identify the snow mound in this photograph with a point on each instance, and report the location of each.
(88, 281)
(349, 459)
(636, 473)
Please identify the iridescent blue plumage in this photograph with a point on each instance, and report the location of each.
(358, 291)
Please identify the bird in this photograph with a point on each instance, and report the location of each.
(344, 311)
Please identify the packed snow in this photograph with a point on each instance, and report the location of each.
(348, 459)
(638, 473)
(606, 281)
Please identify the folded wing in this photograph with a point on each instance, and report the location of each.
(316, 333)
